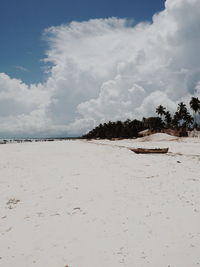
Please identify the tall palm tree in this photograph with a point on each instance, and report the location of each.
(182, 109)
(180, 115)
(160, 110)
(188, 119)
(168, 118)
(176, 119)
(195, 106)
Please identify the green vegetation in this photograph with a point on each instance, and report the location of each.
(195, 106)
(181, 119)
(127, 129)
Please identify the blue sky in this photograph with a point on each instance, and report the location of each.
(23, 21)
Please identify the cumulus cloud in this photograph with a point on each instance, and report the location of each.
(108, 69)
(22, 107)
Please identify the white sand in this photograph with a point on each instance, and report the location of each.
(85, 205)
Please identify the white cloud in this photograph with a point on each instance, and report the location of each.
(108, 69)
(22, 107)
(21, 68)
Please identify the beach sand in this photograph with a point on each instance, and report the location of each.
(95, 204)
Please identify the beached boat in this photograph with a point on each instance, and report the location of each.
(149, 150)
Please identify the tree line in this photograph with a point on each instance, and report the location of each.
(181, 119)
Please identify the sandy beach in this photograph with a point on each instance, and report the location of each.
(96, 204)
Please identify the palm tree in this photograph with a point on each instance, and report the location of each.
(176, 119)
(182, 117)
(168, 118)
(182, 109)
(188, 119)
(195, 106)
(160, 110)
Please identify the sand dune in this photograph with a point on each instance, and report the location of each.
(80, 204)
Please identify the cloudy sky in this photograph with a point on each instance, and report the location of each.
(65, 67)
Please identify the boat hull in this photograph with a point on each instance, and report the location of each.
(149, 150)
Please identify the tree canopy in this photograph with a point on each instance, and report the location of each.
(130, 128)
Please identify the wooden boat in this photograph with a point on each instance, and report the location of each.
(149, 150)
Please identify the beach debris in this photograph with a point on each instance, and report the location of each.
(77, 208)
(12, 202)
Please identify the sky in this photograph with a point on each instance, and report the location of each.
(66, 66)
(22, 23)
